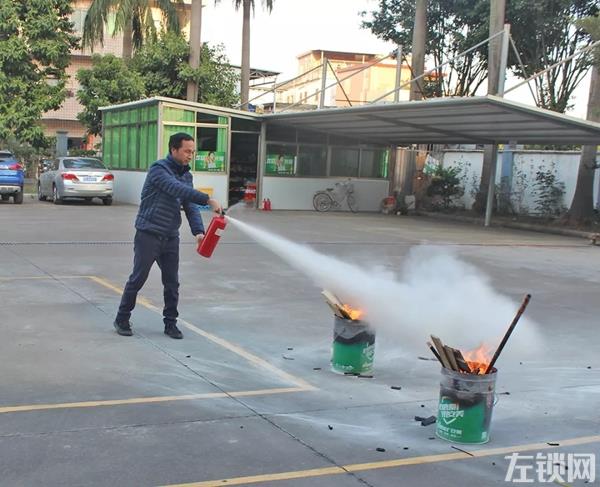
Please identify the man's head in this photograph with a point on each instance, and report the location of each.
(182, 147)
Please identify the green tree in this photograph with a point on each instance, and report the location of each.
(445, 184)
(108, 82)
(132, 17)
(163, 65)
(159, 68)
(452, 27)
(247, 8)
(35, 40)
(545, 32)
(582, 206)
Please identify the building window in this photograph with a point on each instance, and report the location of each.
(312, 137)
(78, 18)
(277, 133)
(281, 160)
(344, 162)
(312, 161)
(373, 163)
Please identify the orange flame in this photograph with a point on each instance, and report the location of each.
(355, 314)
(479, 358)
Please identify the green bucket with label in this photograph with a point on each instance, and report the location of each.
(465, 408)
(353, 347)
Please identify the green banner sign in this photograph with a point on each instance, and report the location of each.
(280, 164)
(210, 161)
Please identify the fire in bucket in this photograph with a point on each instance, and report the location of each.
(353, 348)
(467, 388)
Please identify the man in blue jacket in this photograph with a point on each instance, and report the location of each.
(168, 188)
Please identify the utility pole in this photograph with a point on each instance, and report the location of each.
(398, 73)
(501, 72)
(416, 87)
(418, 49)
(195, 47)
(323, 82)
(497, 10)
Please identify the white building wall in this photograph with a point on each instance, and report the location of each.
(218, 183)
(525, 166)
(128, 186)
(297, 193)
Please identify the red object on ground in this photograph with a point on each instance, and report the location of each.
(250, 193)
(212, 236)
(264, 205)
(268, 204)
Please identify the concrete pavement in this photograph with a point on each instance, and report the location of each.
(247, 398)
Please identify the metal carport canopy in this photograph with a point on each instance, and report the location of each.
(470, 120)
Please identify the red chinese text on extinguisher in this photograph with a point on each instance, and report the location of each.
(207, 246)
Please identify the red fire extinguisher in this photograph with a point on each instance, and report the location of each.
(207, 246)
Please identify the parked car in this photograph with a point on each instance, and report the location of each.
(75, 177)
(11, 178)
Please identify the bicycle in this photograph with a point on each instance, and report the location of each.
(334, 197)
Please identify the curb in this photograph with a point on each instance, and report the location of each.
(514, 225)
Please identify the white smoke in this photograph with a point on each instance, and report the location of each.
(435, 293)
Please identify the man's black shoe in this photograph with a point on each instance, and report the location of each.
(173, 332)
(123, 329)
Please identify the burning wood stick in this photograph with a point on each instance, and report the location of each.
(450, 354)
(335, 304)
(434, 351)
(462, 364)
(440, 348)
(334, 308)
(332, 298)
(508, 333)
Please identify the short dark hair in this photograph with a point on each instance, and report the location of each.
(176, 139)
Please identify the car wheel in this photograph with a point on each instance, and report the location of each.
(5, 197)
(41, 196)
(107, 201)
(18, 198)
(55, 196)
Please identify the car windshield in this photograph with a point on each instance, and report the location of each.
(4, 155)
(83, 163)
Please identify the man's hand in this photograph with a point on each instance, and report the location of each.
(199, 237)
(215, 205)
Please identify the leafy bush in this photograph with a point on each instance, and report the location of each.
(445, 184)
(549, 192)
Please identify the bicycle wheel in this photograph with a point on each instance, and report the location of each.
(322, 202)
(352, 204)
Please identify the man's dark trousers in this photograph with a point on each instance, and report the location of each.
(149, 248)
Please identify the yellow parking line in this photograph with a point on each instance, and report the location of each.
(250, 357)
(146, 400)
(361, 467)
(259, 362)
(301, 385)
(33, 278)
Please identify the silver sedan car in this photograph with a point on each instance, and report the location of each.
(75, 177)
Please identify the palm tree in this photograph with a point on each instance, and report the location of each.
(247, 6)
(195, 47)
(132, 17)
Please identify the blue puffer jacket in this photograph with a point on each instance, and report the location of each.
(168, 188)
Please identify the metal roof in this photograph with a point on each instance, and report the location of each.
(473, 120)
(184, 104)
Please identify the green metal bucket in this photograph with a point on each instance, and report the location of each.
(465, 408)
(353, 347)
